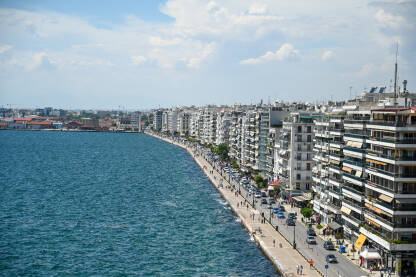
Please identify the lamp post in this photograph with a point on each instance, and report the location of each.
(270, 213)
(294, 242)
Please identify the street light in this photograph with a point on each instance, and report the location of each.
(270, 213)
(294, 242)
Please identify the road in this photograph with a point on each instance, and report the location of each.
(344, 267)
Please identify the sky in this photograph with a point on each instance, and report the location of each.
(143, 54)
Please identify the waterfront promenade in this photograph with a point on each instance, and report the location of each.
(274, 246)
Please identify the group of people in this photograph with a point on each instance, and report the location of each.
(299, 269)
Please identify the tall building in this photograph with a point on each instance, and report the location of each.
(157, 120)
(295, 156)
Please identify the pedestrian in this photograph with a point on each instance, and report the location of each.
(274, 243)
(311, 263)
(297, 269)
(301, 269)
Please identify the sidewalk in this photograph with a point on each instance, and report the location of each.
(280, 253)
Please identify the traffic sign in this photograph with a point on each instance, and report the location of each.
(326, 266)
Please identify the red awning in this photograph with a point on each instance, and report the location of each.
(275, 183)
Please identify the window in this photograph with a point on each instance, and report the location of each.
(299, 147)
(297, 176)
(299, 129)
(299, 157)
(309, 129)
(309, 138)
(308, 166)
(307, 186)
(309, 148)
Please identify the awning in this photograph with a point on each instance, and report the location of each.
(335, 149)
(370, 254)
(372, 222)
(375, 162)
(350, 143)
(275, 183)
(360, 241)
(386, 198)
(358, 144)
(334, 162)
(270, 188)
(371, 207)
(358, 173)
(345, 210)
(377, 210)
(334, 226)
(299, 198)
(347, 169)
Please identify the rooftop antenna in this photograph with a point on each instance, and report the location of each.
(395, 76)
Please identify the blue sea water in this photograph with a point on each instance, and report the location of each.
(114, 204)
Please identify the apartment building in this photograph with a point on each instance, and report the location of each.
(390, 189)
(235, 134)
(184, 123)
(223, 127)
(157, 119)
(295, 156)
(365, 180)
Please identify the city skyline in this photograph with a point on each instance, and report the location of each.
(171, 53)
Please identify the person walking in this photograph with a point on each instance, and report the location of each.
(297, 269)
(301, 269)
(311, 263)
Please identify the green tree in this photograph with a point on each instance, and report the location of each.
(306, 212)
(259, 180)
(222, 151)
(235, 165)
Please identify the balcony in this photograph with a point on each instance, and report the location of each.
(394, 140)
(353, 204)
(354, 149)
(352, 190)
(390, 123)
(392, 174)
(360, 164)
(392, 157)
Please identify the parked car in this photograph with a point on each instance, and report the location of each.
(257, 195)
(272, 201)
(311, 232)
(310, 240)
(276, 210)
(331, 258)
(282, 209)
(292, 215)
(328, 245)
(290, 222)
(280, 215)
(264, 201)
(263, 194)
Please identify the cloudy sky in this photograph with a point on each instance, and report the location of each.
(146, 54)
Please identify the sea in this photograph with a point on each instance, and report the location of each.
(114, 204)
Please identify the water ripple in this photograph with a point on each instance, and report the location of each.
(109, 204)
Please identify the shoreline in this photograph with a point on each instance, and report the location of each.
(287, 258)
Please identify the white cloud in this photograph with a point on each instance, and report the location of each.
(327, 55)
(41, 60)
(257, 8)
(389, 20)
(366, 69)
(158, 41)
(286, 52)
(5, 48)
(206, 52)
(138, 60)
